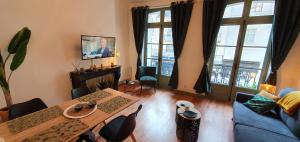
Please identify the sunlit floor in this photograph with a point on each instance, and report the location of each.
(156, 120)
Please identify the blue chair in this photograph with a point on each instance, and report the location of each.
(120, 128)
(148, 77)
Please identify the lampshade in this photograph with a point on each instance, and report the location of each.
(267, 87)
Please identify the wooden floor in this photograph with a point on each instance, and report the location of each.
(156, 120)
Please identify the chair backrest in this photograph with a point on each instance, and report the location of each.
(128, 125)
(79, 92)
(21, 109)
(147, 71)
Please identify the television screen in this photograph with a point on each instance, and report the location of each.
(93, 47)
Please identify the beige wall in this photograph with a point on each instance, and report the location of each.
(191, 60)
(56, 27)
(289, 72)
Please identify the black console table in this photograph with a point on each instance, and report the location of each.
(79, 78)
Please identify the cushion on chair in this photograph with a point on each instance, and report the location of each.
(110, 131)
(148, 78)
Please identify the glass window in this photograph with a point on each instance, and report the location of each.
(228, 35)
(167, 17)
(153, 35)
(262, 7)
(154, 17)
(234, 10)
(168, 39)
(257, 35)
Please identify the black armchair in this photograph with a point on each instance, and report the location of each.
(120, 128)
(148, 77)
(79, 92)
(21, 109)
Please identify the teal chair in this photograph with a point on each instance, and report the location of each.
(148, 77)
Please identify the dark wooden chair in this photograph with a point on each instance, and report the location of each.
(120, 128)
(21, 109)
(148, 77)
(79, 92)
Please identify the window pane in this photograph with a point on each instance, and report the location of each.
(234, 10)
(168, 36)
(224, 55)
(257, 35)
(221, 74)
(228, 35)
(262, 7)
(167, 52)
(252, 57)
(154, 17)
(167, 17)
(152, 51)
(167, 67)
(248, 78)
(153, 35)
(152, 63)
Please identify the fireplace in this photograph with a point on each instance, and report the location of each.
(106, 77)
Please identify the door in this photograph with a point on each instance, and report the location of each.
(241, 58)
(158, 48)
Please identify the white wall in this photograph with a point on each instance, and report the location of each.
(56, 27)
(191, 60)
(289, 72)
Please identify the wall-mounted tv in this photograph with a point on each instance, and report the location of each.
(93, 47)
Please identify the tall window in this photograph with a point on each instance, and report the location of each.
(240, 59)
(158, 48)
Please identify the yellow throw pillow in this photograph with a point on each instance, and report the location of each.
(268, 95)
(290, 103)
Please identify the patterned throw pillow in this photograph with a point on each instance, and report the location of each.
(260, 104)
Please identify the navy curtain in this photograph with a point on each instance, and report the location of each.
(180, 14)
(139, 19)
(213, 11)
(286, 26)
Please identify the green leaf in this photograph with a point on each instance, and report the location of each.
(19, 56)
(18, 39)
(3, 83)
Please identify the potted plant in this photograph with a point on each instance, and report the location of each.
(17, 50)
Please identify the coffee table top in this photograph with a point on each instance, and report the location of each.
(183, 103)
(181, 110)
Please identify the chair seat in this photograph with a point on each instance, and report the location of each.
(110, 131)
(148, 78)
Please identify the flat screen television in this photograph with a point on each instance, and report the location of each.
(93, 47)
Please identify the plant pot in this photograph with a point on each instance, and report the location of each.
(3, 115)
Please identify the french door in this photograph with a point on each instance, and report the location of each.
(158, 47)
(241, 58)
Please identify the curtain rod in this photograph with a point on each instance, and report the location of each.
(166, 5)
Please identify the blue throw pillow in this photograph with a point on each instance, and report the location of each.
(260, 104)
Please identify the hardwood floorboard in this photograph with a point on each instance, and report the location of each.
(156, 120)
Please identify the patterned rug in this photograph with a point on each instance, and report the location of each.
(113, 104)
(28, 121)
(60, 132)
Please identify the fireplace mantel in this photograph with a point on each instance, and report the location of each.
(79, 79)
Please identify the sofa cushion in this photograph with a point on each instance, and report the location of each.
(292, 122)
(244, 116)
(260, 104)
(243, 133)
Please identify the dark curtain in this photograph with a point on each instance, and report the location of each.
(181, 14)
(212, 17)
(286, 26)
(139, 19)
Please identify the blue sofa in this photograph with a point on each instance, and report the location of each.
(276, 126)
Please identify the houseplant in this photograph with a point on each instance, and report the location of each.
(17, 50)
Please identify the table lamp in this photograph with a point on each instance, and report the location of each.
(267, 87)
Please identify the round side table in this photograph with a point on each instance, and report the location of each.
(187, 129)
(183, 103)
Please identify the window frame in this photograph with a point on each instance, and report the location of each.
(161, 25)
(243, 21)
